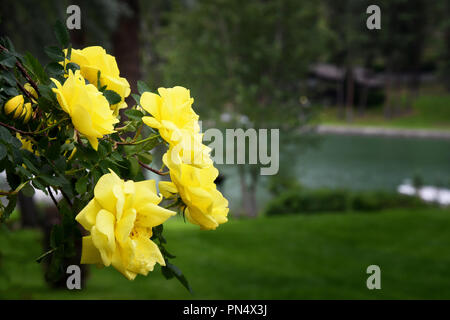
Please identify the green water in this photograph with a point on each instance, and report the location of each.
(358, 162)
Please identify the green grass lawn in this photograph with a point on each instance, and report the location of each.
(428, 112)
(323, 256)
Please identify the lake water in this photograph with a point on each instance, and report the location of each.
(358, 163)
(353, 162)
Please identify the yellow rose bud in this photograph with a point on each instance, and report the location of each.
(120, 219)
(31, 90)
(28, 110)
(15, 105)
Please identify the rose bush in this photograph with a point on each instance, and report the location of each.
(61, 131)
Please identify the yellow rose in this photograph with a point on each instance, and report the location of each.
(191, 150)
(205, 205)
(87, 107)
(120, 220)
(94, 59)
(171, 113)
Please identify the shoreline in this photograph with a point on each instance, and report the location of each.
(382, 131)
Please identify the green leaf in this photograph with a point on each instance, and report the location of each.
(134, 166)
(142, 87)
(3, 151)
(54, 68)
(61, 164)
(8, 61)
(52, 152)
(178, 274)
(112, 97)
(36, 68)
(54, 53)
(166, 253)
(69, 51)
(61, 33)
(81, 185)
(136, 98)
(167, 273)
(30, 165)
(9, 78)
(12, 200)
(53, 181)
(39, 186)
(47, 93)
(11, 91)
(146, 158)
(134, 114)
(12, 178)
(5, 135)
(72, 66)
(45, 104)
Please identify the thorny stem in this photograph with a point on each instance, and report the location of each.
(137, 142)
(30, 133)
(24, 72)
(15, 129)
(143, 165)
(24, 91)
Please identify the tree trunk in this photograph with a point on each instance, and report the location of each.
(363, 99)
(248, 194)
(340, 98)
(28, 211)
(388, 92)
(126, 45)
(350, 80)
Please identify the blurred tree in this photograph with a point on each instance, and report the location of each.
(404, 28)
(245, 58)
(442, 41)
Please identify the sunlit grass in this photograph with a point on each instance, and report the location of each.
(428, 112)
(291, 257)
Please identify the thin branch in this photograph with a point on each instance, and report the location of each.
(24, 91)
(143, 165)
(52, 196)
(30, 133)
(15, 129)
(7, 193)
(24, 72)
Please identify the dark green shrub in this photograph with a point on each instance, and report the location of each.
(304, 201)
(378, 200)
(309, 201)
